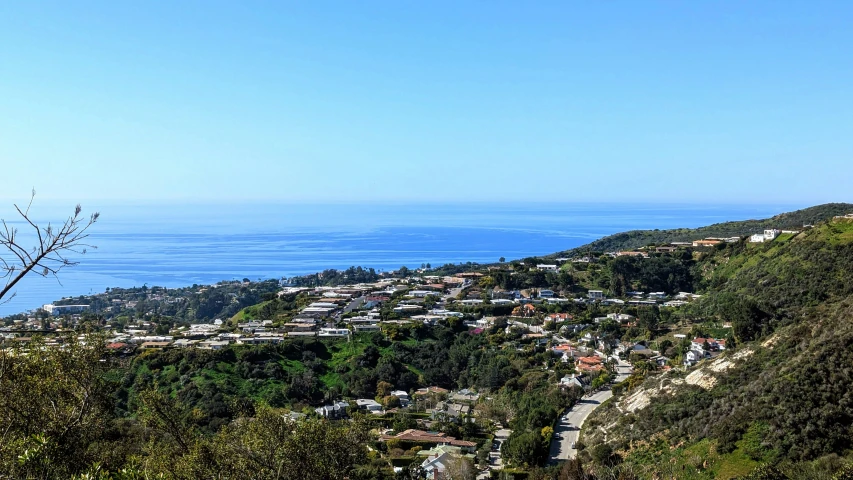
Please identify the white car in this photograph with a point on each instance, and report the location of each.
(573, 445)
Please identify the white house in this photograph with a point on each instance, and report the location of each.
(595, 294)
(547, 268)
(767, 236)
(64, 309)
(403, 396)
(694, 356)
(369, 404)
(334, 332)
(570, 380)
(546, 293)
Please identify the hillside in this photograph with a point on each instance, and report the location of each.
(783, 397)
(789, 220)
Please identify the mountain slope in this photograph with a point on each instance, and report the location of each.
(785, 396)
(788, 220)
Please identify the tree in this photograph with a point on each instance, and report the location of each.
(52, 244)
(383, 389)
(54, 407)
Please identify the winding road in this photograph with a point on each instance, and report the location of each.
(566, 432)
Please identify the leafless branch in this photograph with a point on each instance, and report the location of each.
(48, 255)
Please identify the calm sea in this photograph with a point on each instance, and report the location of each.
(179, 245)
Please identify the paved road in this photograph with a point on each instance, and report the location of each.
(354, 304)
(454, 292)
(564, 434)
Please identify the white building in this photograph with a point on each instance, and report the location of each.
(64, 309)
(334, 332)
(767, 236)
(547, 268)
(596, 294)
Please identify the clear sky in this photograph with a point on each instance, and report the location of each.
(363, 101)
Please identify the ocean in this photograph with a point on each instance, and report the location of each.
(174, 245)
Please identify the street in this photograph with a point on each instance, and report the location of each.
(564, 435)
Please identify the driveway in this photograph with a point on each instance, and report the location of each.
(495, 461)
(568, 428)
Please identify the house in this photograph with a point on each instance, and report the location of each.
(465, 395)
(334, 332)
(451, 411)
(56, 310)
(768, 236)
(659, 360)
(369, 405)
(150, 345)
(666, 249)
(445, 462)
(595, 294)
(546, 293)
(632, 254)
(620, 317)
(546, 268)
(403, 396)
(213, 344)
(485, 322)
(589, 364)
(333, 411)
(706, 243)
(429, 390)
(526, 310)
(693, 356)
(366, 328)
(698, 343)
(434, 438)
(574, 380)
(502, 301)
(472, 301)
(421, 293)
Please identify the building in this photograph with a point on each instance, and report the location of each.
(334, 332)
(445, 462)
(767, 236)
(632, 254)
(546, 268)
(369, 405)
(596, 295)
(64, 309)
(335, 410)
(434, 438)
(574, 380)
(706, 243)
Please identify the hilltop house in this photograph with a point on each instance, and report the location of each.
(768, 236)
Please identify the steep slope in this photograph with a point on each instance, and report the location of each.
(785, 396)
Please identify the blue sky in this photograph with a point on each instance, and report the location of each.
(423, 101)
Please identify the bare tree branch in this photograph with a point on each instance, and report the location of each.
(48, 255)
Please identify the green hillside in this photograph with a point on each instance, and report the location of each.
(784, 221)
(784, 396)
